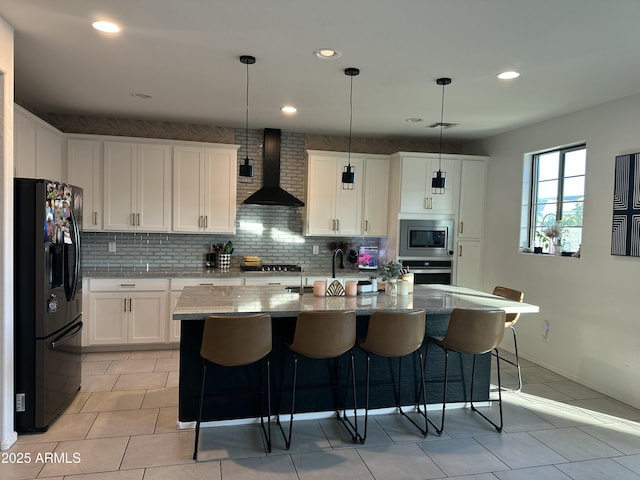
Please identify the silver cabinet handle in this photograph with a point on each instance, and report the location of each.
(200, 221)
(206, 221)
(95, 218)
(124, 306)
(128, 285)
(338, 223)
(366, 225)
(459, 250)
(133, 219)
(137, 219)
(461, 227)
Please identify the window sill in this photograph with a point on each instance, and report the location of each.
(561, 255)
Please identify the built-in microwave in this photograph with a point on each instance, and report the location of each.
(426, 238)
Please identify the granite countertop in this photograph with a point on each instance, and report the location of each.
(195, 303)
(143, 271)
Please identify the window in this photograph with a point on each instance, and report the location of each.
(557, 198)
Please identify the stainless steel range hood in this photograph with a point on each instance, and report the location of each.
(271, 193)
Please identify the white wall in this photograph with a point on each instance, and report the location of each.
(7, 434)
(592, 303)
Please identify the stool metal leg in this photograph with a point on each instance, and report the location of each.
(266, 432)
(352, 428)
(199, 419)
(444, 390)
(287, 438)
(473, 408)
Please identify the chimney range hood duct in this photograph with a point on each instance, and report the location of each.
(271, 193)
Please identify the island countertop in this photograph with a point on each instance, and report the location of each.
(195, 303)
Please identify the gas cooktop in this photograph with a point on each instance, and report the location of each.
(272, 268)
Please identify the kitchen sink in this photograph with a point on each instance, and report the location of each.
(297, 289)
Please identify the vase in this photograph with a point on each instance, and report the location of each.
(392, 287)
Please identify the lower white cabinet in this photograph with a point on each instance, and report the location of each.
(469, 264)
(123, 311)
(177, 285)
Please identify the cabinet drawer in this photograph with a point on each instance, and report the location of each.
(278, 280)
(127, 284)
(179, 283)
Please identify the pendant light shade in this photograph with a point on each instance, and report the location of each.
(439, 179)
(246, 167)
(348, 172)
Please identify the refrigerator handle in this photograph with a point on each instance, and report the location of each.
(66, 335)
(76, 273)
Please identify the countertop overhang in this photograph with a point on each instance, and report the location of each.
(195, 303)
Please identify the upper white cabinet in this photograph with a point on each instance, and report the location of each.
(416, 172)
(38, 147)
(473, 184)
(204, 189)
(137, 186)
(84, 169)
(334, 211)
(376, 196)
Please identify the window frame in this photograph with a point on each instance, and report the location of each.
(561, 178)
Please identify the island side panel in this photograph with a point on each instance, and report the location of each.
(223, 384)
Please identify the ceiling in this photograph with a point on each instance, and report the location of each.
(572, 54)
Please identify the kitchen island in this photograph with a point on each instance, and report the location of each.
(196, 303)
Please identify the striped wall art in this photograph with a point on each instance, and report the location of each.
(625, 234)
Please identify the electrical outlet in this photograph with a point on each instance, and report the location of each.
(547, 329)
(112, 247)
(316, 249)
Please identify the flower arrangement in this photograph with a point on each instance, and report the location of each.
(392, 270)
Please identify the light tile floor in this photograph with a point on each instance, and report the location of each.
(122, 426)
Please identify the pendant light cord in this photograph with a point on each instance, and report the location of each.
(246, 120)
(350, 119)
(441, 127)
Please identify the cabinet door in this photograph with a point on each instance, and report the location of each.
(469, 264)
(321, 195)
(219, 191)
(416, 196)
(25, 146)
(188, 183)
(84, 170)
(48, 154)
(147, 317)
(349, 202)
(119, 181)
(108, 313)
(473, 181)
(153, 188)
(376, 197)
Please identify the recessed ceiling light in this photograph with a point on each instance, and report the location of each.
(327, 53)
(141, 96)
(508, 75)
(414, 120)
(107, 27)
(290, 109)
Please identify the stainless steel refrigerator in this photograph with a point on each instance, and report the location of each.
(47, 300)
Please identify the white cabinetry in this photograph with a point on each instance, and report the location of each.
(123, 311)
(376, 196)
(333, 211)
(137, 186)
(177, 285)
(38, 147)
(469, 253)
(204, 196)
(84, 169)
(416, 172)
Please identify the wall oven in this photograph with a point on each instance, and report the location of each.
(426, 239)
(429, 271)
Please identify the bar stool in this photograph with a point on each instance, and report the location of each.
(510, 322)
(230, 341)
(324, 335)
(396, 335)
(474, 332)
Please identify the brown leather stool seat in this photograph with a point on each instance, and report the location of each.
(396, 335)
(474, 332)
(231, 341)
(510, 322)
(324, 335)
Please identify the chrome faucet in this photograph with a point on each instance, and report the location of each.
(333, 263)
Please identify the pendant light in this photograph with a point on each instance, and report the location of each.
(348, 173)
(439, 180)
(246, 168)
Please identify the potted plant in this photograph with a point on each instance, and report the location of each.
(390, 273)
